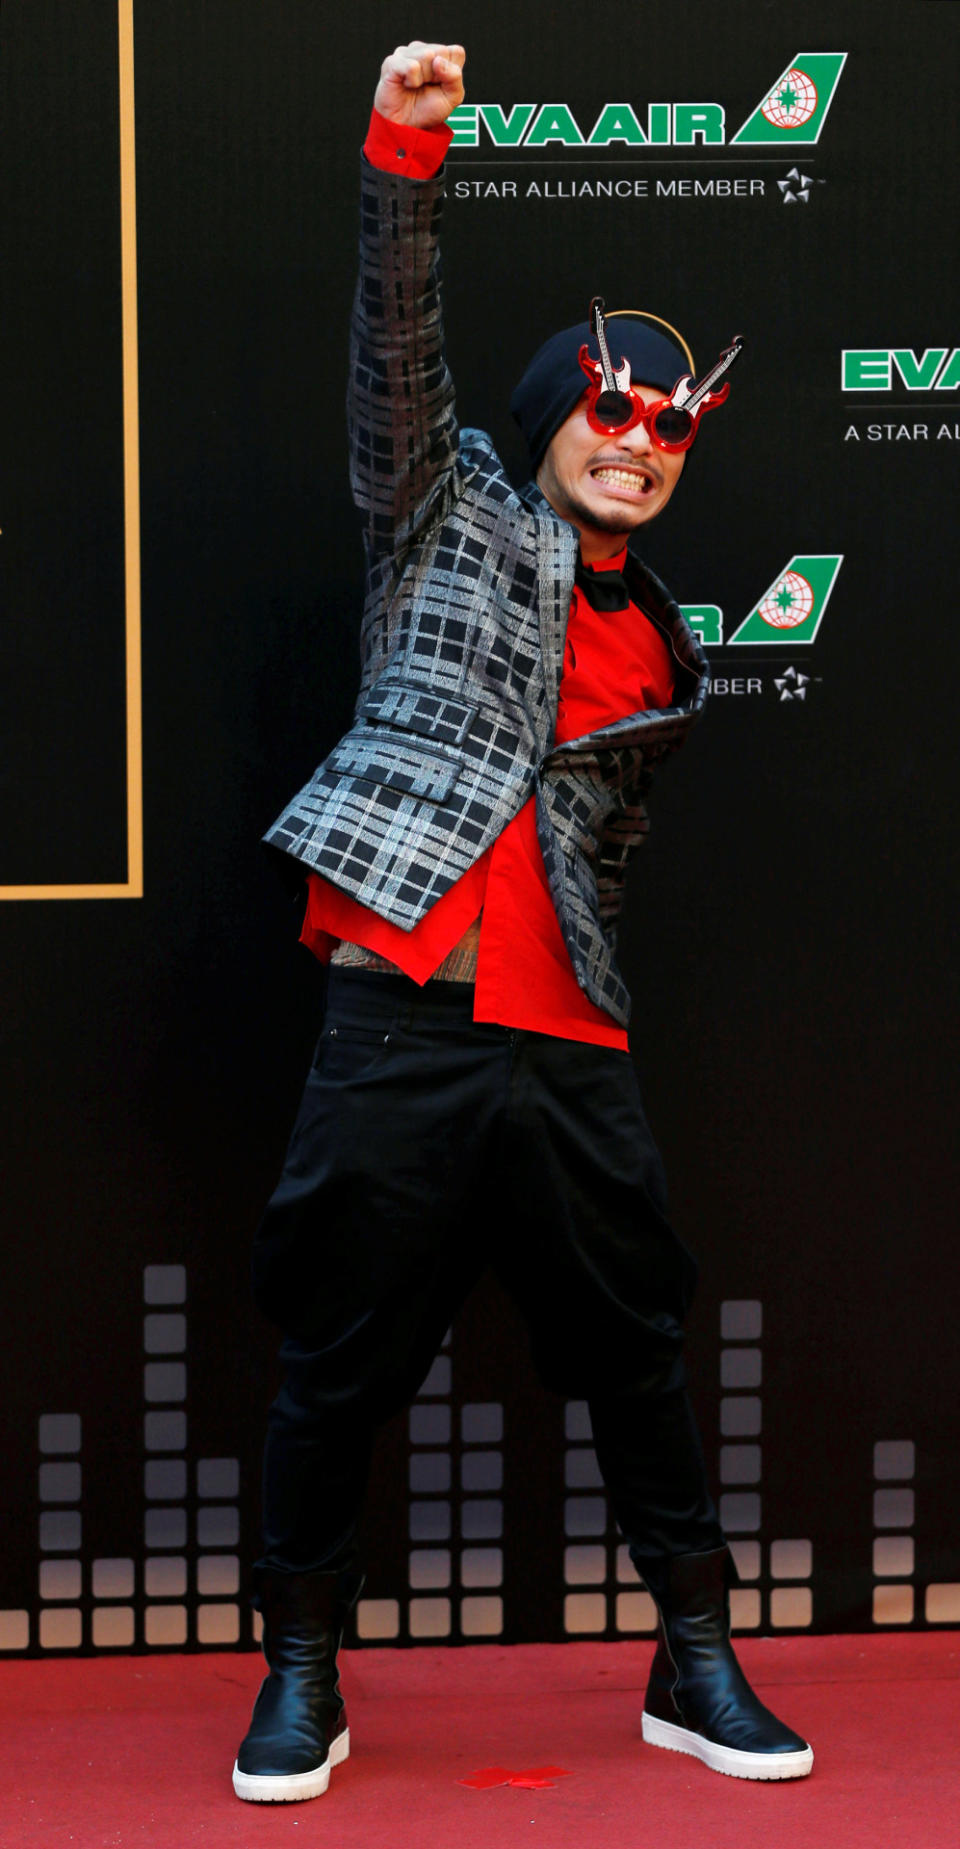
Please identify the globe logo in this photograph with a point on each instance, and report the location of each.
(789, 603)
(792, 102)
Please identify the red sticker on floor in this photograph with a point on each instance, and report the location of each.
(535, 1778)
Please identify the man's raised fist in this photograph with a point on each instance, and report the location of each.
(420, 84)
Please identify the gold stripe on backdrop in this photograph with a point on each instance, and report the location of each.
(132, 888)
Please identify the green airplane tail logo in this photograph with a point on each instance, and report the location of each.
(795, 110)
(791, 610)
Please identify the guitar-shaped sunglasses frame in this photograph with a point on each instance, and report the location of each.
(614, 405)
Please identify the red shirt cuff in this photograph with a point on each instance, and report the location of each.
(398, 148)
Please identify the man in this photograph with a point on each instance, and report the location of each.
(472, 1099)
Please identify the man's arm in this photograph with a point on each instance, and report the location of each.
(403, 431)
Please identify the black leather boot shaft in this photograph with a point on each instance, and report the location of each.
(696, 1681)
(299, 1709)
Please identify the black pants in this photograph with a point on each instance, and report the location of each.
(426, 1147)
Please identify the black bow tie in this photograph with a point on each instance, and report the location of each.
(603, 590)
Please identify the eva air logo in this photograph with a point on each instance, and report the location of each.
(792, 102)
(791, 114)
(796, 108)
(789, 613)
(791, 609)
(871, 369)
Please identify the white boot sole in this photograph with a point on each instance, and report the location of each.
(726, 1758)
(291, 1787)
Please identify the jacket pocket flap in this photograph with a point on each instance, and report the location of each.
(408, 769)
(416, 709)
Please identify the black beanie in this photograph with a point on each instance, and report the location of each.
(554, 379)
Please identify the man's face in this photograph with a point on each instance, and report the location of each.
(607, 485)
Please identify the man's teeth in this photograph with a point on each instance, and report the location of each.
(624, 478)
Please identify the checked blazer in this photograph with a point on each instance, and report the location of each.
(468, 592)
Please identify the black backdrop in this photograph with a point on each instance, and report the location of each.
(786, 939)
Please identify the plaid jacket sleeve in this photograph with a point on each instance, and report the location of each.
(400, 404)
(622, 836)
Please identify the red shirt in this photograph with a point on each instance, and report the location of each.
(615, 663)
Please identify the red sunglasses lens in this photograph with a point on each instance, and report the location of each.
(613, 410)
(673, 426)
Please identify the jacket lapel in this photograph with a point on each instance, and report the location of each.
(558, 557)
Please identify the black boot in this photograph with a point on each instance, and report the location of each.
(299, 1726)
(698, 1699)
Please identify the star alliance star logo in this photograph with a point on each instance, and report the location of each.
(795, 189)
(790, 685)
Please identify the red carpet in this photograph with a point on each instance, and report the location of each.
(105, 1753)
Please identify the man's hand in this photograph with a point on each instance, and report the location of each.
(420, 84)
